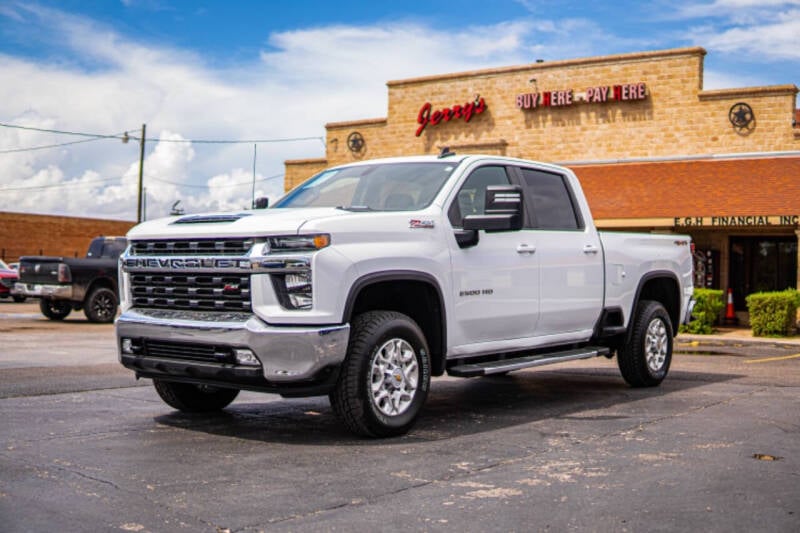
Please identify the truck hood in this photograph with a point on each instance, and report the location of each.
(233, 224)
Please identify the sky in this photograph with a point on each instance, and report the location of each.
(277, 72)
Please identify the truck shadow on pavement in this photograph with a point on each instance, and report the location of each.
(458, 407)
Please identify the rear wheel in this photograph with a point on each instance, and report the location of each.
(101, 306)
(645, 360)
(194, 398)
(385, 379)
(55, 309)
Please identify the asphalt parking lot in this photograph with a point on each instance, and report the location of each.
(84, 447)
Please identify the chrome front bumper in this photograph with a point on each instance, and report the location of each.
(288, 355)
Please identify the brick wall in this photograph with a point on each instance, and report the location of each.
(25, 234)
(677, 118)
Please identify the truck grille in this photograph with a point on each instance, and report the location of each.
(192, 289)
(209, 247)
(189, 351)
(200, 292)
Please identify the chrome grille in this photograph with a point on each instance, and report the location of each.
(192, 247)
(191, 291)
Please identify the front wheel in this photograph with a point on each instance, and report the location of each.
(645, 360)
(385, 378)
(55, 309)
(194, 398)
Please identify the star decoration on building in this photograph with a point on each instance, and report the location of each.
(355, 142)
(742, 118)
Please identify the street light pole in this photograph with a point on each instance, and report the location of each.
(141, 175)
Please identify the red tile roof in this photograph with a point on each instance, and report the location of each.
(731, 187)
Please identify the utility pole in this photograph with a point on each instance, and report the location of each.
(141, 174)
(253, 194)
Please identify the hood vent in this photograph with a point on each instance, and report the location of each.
(210, 219)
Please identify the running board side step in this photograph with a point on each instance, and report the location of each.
(468, 370)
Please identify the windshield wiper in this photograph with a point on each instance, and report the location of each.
(358, 208)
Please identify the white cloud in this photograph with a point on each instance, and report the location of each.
(763, 30)
(306, 78)
(775, 40)
(107, 82)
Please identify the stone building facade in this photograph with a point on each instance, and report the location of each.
(654, 150)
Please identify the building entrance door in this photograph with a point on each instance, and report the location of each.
(759, 264)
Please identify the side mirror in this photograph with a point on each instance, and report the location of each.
(261, 203)
(502, 212)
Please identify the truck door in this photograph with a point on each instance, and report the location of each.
(495, 282)
(570, 257)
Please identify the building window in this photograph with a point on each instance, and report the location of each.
(761, 264)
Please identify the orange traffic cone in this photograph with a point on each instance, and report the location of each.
(730, 314)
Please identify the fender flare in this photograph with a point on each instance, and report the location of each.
(403, 275)
(637, 297)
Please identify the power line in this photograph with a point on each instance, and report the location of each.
(150, 178)
(33, 148)
(198, 141)
(56, 185)
(220, 141)
(62, 132)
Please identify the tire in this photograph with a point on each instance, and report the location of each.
(55, 309)
(645, 360)
(385, 378)
(194, 398)
(19, 299)
(101, 306)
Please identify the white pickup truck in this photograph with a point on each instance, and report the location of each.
(370, 278)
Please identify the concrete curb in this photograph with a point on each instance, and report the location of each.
(737, 337)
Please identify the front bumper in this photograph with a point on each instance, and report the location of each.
(38, 290)
(197, 347)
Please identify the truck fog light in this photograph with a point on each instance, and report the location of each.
(301, 301)
(246, 357)
(127, 345)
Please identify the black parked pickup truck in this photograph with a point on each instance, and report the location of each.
(64, 283)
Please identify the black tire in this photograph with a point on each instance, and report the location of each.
(55, 309)
(194, 398)
(101, 306)
(19, 298)
(645, 360)
(374, 338)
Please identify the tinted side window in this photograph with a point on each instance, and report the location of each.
(472, 195)
(550, 200)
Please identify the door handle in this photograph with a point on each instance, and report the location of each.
(526, 249)
(590, 249)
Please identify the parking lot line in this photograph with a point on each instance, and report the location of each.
(769, 359)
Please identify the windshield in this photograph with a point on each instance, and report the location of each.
(4, 266)
(378, 187)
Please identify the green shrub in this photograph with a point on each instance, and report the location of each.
(773, 314)
(706, 311)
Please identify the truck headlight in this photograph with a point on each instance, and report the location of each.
(296, 243)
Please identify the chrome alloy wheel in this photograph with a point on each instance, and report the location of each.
(394, 377)
(656, 344)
